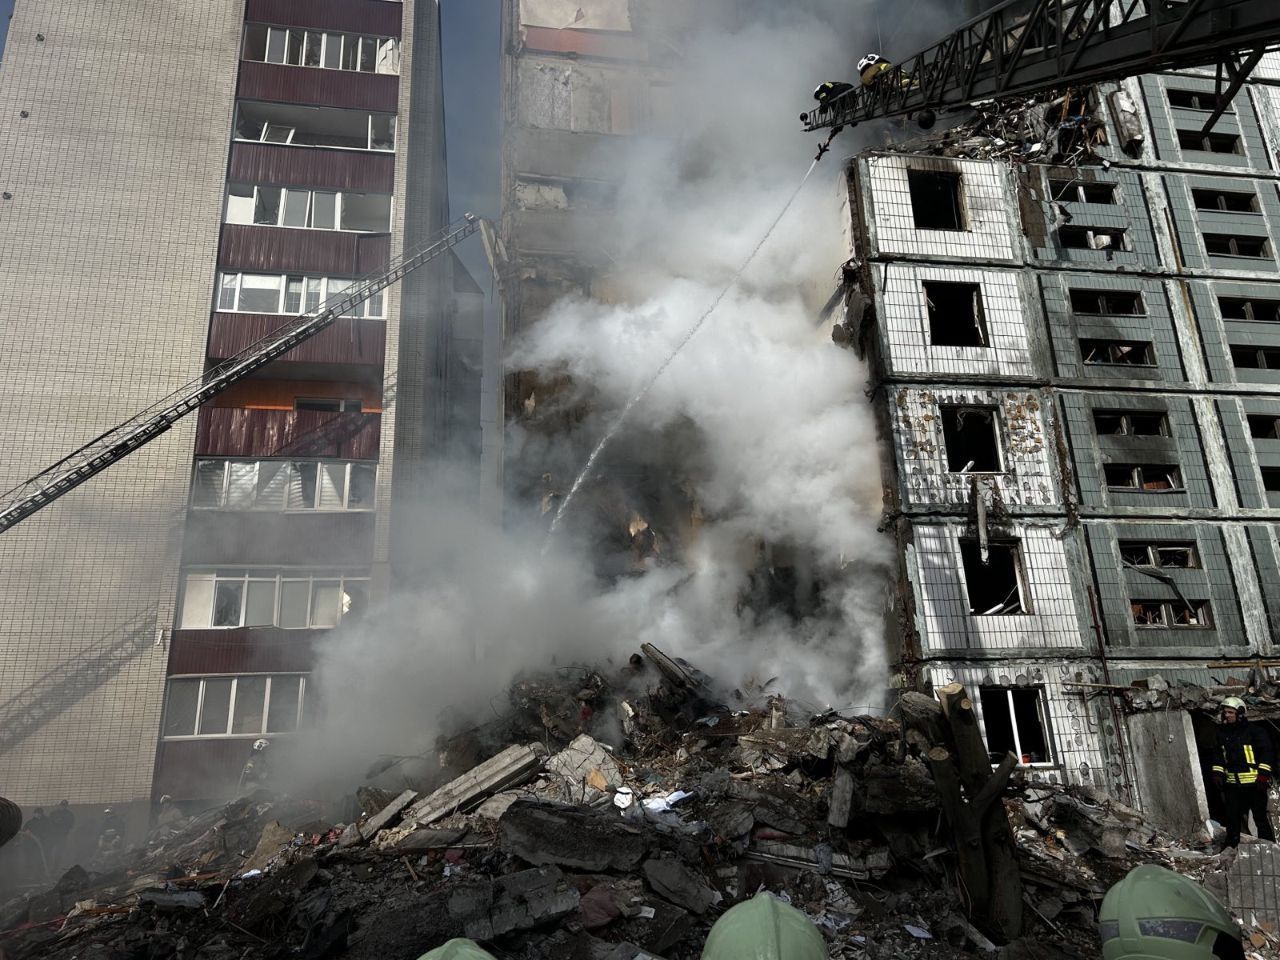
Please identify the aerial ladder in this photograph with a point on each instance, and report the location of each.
(87, 461)
(1024, 47)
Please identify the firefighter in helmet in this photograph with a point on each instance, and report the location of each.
(829, 92)
(871, 68)
(1155, 914)
(1242, 771)
(256, 769)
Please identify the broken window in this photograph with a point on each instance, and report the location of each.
(295, 599)
(1171, 613)
(1139, 353)
(272, 293)
(956, 318)
(245, 706)
(1093, 238)
(316, 48)
(1271, 479)
(367, 212)
(283, 485)
(995, 587)
(1264, 426)
(1193, 99)
(1234, 245)
(1249, 308)
(1130, 423)
(972, 439)
(1016, 721)
(1254, 358)
(1082, 191)
(935, 200)
(1146, 477)
(1229, 200)
(1160, 553)
(315, 126)
(1213, 142)
(315, 209)
(1108, 302)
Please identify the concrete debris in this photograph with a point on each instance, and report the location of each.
(627, 841)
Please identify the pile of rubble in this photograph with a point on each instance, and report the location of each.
(541, 841)
(1258, 690)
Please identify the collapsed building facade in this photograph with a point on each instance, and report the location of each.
(1070, 312)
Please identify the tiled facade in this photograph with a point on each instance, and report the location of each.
(1077, 371)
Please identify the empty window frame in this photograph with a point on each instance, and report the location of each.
(1192, 99)
(1116, 303)
(1082, 191)
(315, 126)
(1131, 423)
(1129, 353)
(1254, 358)
(292, 599)
(1093, 238)
(1213, 142)
(315, 48)
(971, 436)
(288, 294)
(1016, 722)
(1249, 308)
(283, 485)
(244, 706)
(1144, 477)
(1234, 245)
(1264, 426)
(936, 202)
(1231, 201)
(1271, 479)
(314, 209)
(996, 588)
(327, 404)
(956, 317)
(1178, 554)
(1171, 613)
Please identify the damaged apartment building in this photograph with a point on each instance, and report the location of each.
(1071, 311)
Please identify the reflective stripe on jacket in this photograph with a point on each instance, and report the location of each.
(1244, 751)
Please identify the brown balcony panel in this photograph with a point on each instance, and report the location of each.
(286, 250)
(243, 650)
(277, 164)
(262, 538)
(202, 769)
(280, 83)
(374, 17)
(241, 432)
(347, 341)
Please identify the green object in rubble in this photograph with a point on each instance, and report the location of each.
(764, 928)
(1155, 914)
(458, 950)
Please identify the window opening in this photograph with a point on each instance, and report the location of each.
(935, 200)
(1234, 245)
(1134, 353)
(1016, 722)
(1156, 553)
(972, 439)
(245, 706)
(1192, 99)
(1249, 308)
(1171, 613)
(956, 317)
(293, 599)
(270, 293)
(1214, 142)
(994, 588)
(1271, 479)
(1111, 302)
(1093, 238)
(1148, 478)
(1122, 423)
(1254, 358)
(1264, 426)
(1082, 191)
(1228, 200)
(315, 126)
(317, 48)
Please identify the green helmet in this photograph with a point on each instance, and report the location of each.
(1155, 914)
(764, 928)
(458, 950)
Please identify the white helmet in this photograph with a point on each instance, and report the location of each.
(261, 744)
(870, 60)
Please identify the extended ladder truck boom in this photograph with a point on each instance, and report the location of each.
(87, 461)
(1023, 47)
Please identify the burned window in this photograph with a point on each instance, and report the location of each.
(327, 405)
(1264, 426)
(1082, 191)
(935, 200)
(1145, 477)
(1234, 245)
(1254, 358)
(1093, 238)
(995, 586)
(1131, 423)
(1271, 479)
(1192, 99)
(1214, 142)
(1171, 613)
(1249, 308)
(1126, 303)
(972, 439)
(1179, 554)
(956, 318)
(1016, 722)
(1229, 200)
(1133, 353)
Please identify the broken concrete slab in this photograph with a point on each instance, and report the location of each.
(586, 761)
(515, 902)
(512, 766)
(437, 839)
(672, 879)
(545, 833)
(275, 837)
(870, 865)
(496, 806)
(173, 899)
(387, 814)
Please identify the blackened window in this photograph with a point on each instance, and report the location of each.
(995, 586)
(956, 318)
(1139, 353)
(1233, 245)
(1112, 302)
(1210, 142)
(1249, 308)
(935, 200)
(1228, 200)
(972, 439)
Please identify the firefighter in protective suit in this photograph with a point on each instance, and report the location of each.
(1242, 771)
(1155, 914)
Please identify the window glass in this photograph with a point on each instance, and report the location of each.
(276, 45)
(368, 53)
(323, 213)
(294, 598)
(295, 47)
(302, 491)
(363, 477)
(331, 485)
(273, 479)
(228, 596)
(282, 716)
(255, 41)
(260, 608)
(197, 602)
(311, 51)
(227, 291)
(251, 696)
(267, 208)
(260, 294)
(373, 306)
(336, 289)
(180, 710)
(277, 133)
(239, 204)
(207, 489)
(293, 295)
(295, 208)
(314, 295)
(383, 132)
(333, 51)
(242, 485)
(350, 51)
(366, 212)
(326, 600)
(216, 709)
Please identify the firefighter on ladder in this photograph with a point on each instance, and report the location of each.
(1242, 771)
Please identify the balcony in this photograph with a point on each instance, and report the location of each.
(318, 167)
(268, 538)
(282, 83)
(243, 432)
(243, 650)
(377, 17)
(337, 253)
(349, 341)
(200, 769)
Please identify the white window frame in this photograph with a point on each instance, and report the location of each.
(339, 208)
(368, 147)
(259, 506)
(1042, 712)
(327, 290)
(278, 578)
(235, 679)
(327, 38)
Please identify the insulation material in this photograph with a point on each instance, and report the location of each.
(576, 14)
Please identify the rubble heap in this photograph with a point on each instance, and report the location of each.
(539, 839)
